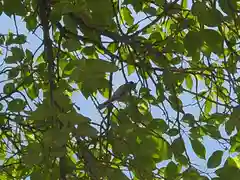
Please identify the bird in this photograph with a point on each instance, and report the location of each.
(122, 91)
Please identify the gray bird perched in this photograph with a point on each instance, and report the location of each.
(119, 93)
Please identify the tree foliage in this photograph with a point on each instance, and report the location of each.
(184, 55)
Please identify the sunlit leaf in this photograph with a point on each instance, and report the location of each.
(208, 106)
(189, 81)
(127, 16)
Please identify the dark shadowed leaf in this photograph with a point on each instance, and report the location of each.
(193, 42)
(16, 105)
(178, 146)
(171, 170)
(9, 88)
(215, 159)
(198, 148)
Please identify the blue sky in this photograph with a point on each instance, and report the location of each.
(87, 107)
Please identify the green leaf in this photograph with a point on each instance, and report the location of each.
(31, 22)
(101, 12)
(56, 14)
(14, 7)
(189, 81)
(133, 28)
(228, 172)
(176, 60)
(29, 55)
(3, 118)
(116, 174)
(71, 25)
(32, 159)
(184, 3)
(213, 131)
(62, 99)
(72, 45)
(131, 69)
(159, 125)
(160, 92)
(33, 91)
(127, 16)
(13, 72)
(9, 88)
(172, 8)
(198, 148)
(199, 8)
(164, 150)
(86, 130)
(98, 65)
(150, 10)
(55, 137)
(20, 39)
(33, 155)
(181, 159)
(16, 105)
(112, 47)
(178, 146)
(176, 103)
(155, 36)
(73, 118)
(228, 6)
(231, 64)
(171, 170)
(208, 106)
(2, 39)
(89, 51)
(215, 160)
(91, 85)
(1, 108)
(193, 42)
(229, 127)
(160, 2)
(214, 19)
(234, 162)
(174, 46)
(218, 118)
(1, 8)
(213, 39)
(235, 145)
(17, 55)
(208, 16)
(147, 146)
(191, 174)
(173, 132)
(188, 118)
